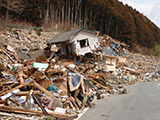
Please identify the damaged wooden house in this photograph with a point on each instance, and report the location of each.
(74, 42)
(80, 42)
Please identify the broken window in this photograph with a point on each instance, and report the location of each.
(84, 42)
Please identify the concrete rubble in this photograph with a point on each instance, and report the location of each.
(34, 85)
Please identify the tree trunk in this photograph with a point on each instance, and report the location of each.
(94, 13)
(75, 17)
(46, 19)
(66, 13)
(7, 13)
(90, 21)
(1, 8)
(94, 17)
(62, 15)
(79, 12)
(56, 15)
(109, 24)
(101, 27)
(52, 11)
(85, 16)
(69, 12)
(80, 18)
(104, 25)
(72, 16)
(59, 17)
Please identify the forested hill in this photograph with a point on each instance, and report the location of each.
(110, 17)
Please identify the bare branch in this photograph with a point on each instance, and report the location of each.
(16, 6)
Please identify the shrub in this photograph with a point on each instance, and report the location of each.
(157, 50)
(38, 32)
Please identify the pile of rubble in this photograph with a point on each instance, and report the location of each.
(32, 86)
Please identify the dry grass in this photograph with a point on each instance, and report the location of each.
(51, 25)
(2, 25)
(66, 26)
(142, 50)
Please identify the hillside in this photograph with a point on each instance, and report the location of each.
(110, 17)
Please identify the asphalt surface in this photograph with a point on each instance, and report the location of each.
(142, 103)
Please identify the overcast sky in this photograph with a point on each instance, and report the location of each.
(150, 8)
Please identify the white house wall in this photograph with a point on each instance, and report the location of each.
(92, 39)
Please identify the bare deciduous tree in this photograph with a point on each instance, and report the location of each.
(16, 6)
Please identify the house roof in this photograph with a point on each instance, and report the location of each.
(65, 36)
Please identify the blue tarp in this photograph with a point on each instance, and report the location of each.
(75, 81)
(113, 45)
(109, 51)
(75, 78)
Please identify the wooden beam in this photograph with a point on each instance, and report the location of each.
(96, 75)
(43, 90)
(106, 88)
(70, 99)
(19, 86)
(31, 112)
(51, 56)
(24, 93)
(29, 83)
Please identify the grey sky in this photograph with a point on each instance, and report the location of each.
(150, 8)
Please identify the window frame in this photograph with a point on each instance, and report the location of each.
(82, 45)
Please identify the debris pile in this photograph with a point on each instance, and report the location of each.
(61, 86)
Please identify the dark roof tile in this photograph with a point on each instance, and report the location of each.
(65, 36)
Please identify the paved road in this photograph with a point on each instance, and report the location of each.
(143, 103)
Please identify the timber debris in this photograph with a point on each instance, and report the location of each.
(42, 78)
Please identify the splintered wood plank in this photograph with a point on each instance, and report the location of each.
(31, 112)
(43, 89)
